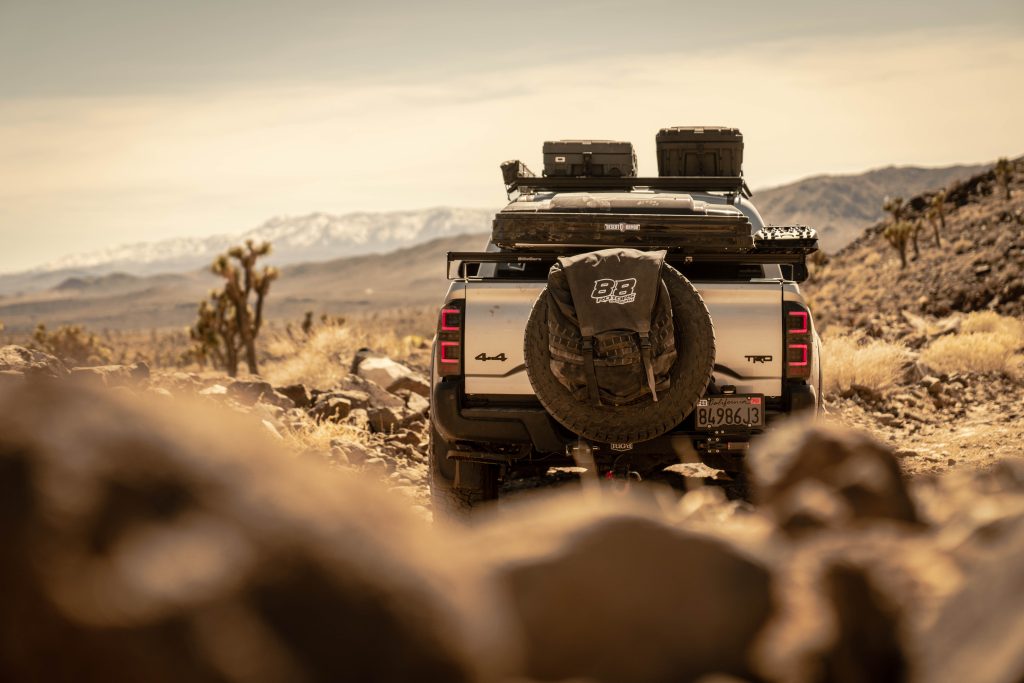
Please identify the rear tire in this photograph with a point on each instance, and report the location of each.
(477, 483)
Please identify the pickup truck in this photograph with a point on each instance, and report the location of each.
(490, 428)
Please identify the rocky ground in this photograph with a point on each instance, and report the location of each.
(941, 423)
(144, 543)
(372, 420)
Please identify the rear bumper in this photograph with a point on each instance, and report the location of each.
(531, 426)
(527, 426)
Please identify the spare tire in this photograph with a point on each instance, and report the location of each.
(645, 419)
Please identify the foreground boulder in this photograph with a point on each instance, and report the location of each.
(809, 476)
(619, 596)
(141, 547)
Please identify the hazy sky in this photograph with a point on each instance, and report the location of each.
(122, 121)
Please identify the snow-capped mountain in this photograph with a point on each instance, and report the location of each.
(295, 239)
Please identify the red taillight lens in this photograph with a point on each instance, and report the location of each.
(451, 320)
(449, 339)
(799, 342)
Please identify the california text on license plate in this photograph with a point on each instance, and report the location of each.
(715, 412)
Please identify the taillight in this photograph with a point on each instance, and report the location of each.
(449, 339)
(799, 341)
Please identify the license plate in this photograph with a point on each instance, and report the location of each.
(717, 412)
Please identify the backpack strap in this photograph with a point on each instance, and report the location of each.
(593, 389)
(647, 362)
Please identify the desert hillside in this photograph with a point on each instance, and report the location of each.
(975, 263)
(839, 207)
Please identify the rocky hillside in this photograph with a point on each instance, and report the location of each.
(840, 206)
(977, 264)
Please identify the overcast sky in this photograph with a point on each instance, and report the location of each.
(124, 122)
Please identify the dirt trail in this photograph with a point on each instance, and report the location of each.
(976, 437)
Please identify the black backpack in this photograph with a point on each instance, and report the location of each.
(611, 337)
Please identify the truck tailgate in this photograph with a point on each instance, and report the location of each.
(747, 318)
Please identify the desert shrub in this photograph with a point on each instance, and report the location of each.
(872, 259)
(326, 355)
(849, 358)
(73, 344)
(986, 342)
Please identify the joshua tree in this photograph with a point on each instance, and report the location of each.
(895, 206)
(228, 323)
(897, 234)
(899, 231)
(816, 262)
(916, 226)
(1004, 171)
(937, 210)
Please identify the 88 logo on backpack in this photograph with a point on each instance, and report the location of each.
(607, 291)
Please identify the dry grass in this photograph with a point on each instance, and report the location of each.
(986, 342)
(317, 436)
(992, 323)
(849, 358)
(325, 356)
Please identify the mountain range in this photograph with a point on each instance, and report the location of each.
(359, 261)
(295, 239)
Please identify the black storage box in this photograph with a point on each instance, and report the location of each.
(700, 151)
(589, 158)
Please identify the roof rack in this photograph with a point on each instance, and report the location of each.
(755, 256)
(731, 184)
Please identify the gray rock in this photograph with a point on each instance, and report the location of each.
(112, 375)
(30, 362)
(330, 408)
(417, 404)
(215, 390)
(393, 376)
(376, 466)
(354, 453)
(406, 436)
(358, 418)
(249, 391)
(377, 397)
(386, 420)
(298, 393)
